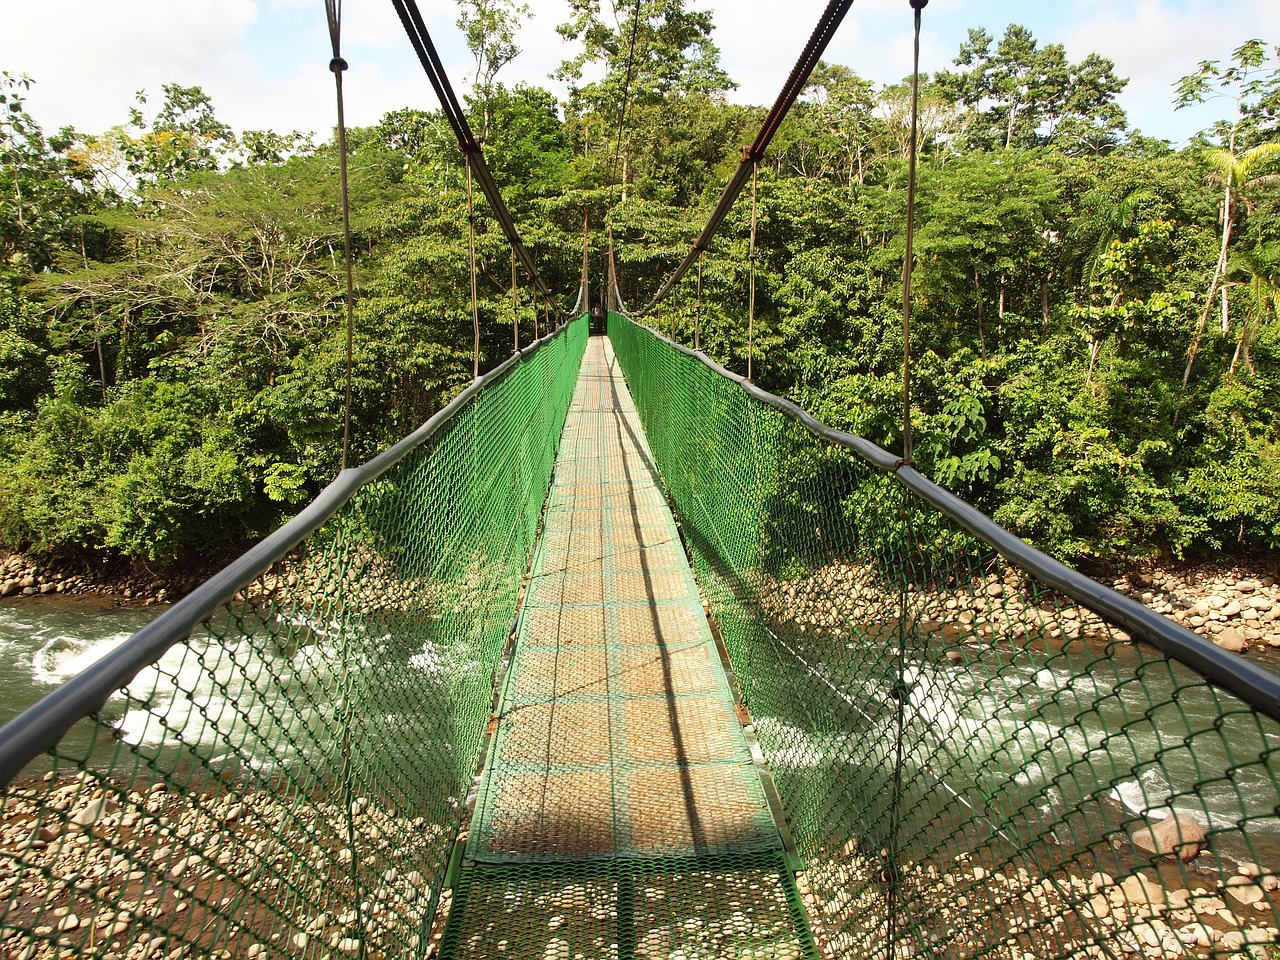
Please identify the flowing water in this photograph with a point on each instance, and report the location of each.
(1026, 728)
(227, 697)
(1033, 747)
(46, 640)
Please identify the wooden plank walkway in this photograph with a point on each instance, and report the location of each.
(620, 815)
(618, 735)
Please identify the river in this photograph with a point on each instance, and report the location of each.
(1044, 722)
(46, 640)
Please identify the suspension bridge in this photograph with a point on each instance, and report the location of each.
(620, 656)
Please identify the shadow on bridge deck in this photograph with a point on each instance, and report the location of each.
(621, 812)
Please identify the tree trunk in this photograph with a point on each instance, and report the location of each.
(1000, 316)
(1219, 269)
(1221, 266)
(1044, 306)
(1095, 348)
(982, 339)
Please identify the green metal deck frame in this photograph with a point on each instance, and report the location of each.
(619, 789)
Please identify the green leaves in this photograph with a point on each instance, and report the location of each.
(1023, 95)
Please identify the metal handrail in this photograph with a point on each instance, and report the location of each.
(1257, 687)
(44, 723)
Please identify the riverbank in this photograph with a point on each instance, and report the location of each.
(22, 576)
(1236, 608)
(1233, 605)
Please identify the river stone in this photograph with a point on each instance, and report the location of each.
(1174, 836)
(1244, 889)
(1232, 609)
(90, 813)
(1138, 889)
(1231, 639)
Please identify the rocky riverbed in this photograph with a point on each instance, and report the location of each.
(26, 576)
(965, 908)
(1237, 608)
(152, 873)
(1238, 611)
(157, 874)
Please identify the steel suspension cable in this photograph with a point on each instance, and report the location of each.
(416, 29)
(893, 879)
(752, 155)
(908, 265)
(515, 304)
(751, 263)
(697, 317)
(333, 14)
(584, 285)
(471, 248)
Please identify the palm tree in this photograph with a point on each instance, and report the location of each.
(1237, 174)
(1258, 271)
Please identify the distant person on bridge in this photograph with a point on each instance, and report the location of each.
(598, 316)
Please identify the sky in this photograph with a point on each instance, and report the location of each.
(265, 62)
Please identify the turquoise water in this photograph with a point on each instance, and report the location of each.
(1033, 729)
(46, 640)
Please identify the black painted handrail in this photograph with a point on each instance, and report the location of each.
(44, 723)
(1257, 687)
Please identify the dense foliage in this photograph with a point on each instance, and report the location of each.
(1096, 358)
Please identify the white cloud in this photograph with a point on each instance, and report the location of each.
(89, 57)
(1155, 42)
(264, 61)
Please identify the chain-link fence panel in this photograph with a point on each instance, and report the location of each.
(980, 752)
(279, 765)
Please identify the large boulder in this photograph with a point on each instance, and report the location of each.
(1175, 836)
(1232, 639)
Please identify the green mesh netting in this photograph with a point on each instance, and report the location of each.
(971, 763)
(621, 812)
(289, 780)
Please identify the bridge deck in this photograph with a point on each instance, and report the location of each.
(620, 813)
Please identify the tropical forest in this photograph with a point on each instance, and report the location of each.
(1095, 353)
